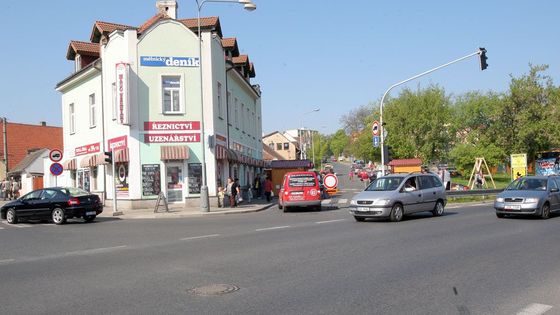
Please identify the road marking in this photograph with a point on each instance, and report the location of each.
(329, 221)
(273, 228)
(1, 228)
(3, 261)
(198, 237)
(326, 202)
(535, 309)
(343, 201)
(19, 226)
(94, 250)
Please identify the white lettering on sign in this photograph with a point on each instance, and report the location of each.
(87, 149)
(171, 125)
(122, 93)
(171, 137)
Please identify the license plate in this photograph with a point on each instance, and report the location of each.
(362, 209)
(91, 213)
(512, 207)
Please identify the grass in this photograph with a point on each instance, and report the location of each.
(501, 180)
(464, 199)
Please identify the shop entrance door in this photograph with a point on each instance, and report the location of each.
(174, 182)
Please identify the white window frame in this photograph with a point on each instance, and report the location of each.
(181, 89)
(219, 99)
(92, 111)
(78, 60)
(72, 118)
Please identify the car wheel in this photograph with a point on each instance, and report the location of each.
(359, 219)
(58, 217)
(545, 211)
(89, 218)
(500, 215)
(11, 216)
(397, 213)
(439, 208)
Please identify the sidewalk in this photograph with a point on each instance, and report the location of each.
(179, 211)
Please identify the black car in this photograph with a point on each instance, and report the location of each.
(56, 203)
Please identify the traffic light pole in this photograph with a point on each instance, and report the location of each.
(382, 127)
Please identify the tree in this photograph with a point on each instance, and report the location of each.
(339, 142)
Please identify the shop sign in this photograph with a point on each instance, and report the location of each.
(87, 149)
(117, 143)
(171, 125)
(171, 137)
(160, 61)
(123, 107)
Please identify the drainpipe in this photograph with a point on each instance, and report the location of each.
(5, 138)
(99, 66)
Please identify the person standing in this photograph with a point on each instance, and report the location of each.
(257, 186)
(15, 189)
(235, 192)
(3, 189)
(268, 189)
(446, 179)
(351, 175)
(229, 192)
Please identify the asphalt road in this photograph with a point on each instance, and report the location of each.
(466, 262)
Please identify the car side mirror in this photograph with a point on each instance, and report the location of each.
(554, 190)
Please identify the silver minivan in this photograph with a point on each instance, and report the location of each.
(396, 195)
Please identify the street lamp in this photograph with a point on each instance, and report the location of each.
(301, 135)
(249, 6)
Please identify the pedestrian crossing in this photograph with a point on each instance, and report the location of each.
(7, 226)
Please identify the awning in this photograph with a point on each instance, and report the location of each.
(70, 165)
(180, 152)
(87, 161)
(232, 155)
(220, 152)
(121, 156)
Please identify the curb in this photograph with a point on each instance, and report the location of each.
(467, 204)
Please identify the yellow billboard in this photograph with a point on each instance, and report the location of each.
(518, 165)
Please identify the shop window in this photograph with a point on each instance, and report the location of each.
(171, 94)
(72, 118)
(84, 179)
(279, 146)
(92, 117)
(195, 177)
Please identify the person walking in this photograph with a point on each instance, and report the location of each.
(15, 189)
(234, 192)
(268, 189)
(351, 175)
(257, 186)
(3, 189)
(229, 192)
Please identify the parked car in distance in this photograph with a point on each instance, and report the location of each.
(533, 195)
(57, 204)
(394, 196)
(299, 189)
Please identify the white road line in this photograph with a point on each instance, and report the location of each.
(1, 228)
(6, 261)
(342, 200)
(19, 226)
(535, 309)
(273, 228)
(326, 202)
(199, 237)
(329, 221)
(94, 250)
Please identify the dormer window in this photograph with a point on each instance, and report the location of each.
(78, 62)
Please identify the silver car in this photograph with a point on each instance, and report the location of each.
(535, 195)
(394, 196)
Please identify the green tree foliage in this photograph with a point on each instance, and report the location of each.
(418, 124)
(339, 142)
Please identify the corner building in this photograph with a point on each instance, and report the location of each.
(136, 92)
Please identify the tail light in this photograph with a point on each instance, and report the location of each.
(73, 201)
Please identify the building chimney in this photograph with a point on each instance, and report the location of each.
(168, 7)
(43, 123)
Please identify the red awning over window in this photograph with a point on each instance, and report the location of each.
(220, 152)
(175, 153)
(70, 165)
(121, 156)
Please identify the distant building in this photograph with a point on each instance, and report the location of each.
(283, 145)
(136, 92)
(24, 138)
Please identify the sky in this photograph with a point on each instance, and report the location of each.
(331, 55)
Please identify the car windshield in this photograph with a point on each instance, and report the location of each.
(385, 184)
(301, 180)
(75, 192)
(528, 184)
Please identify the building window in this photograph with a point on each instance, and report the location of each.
(114, 99)
(78, 60)
(271, 145)
(229, 105)
(279, 146)
(72, 118)
(286, 145)
(171, 94)
(220, 107)
(236, 114)
(92, 117)
(243, 122)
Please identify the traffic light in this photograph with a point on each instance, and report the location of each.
(483, 58)
(388, 154)
(109, 157)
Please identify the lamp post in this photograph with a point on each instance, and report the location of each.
(249, 6)
(302, 129)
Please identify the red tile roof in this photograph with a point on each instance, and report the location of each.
(212, 22)
(406, 162)
(82, 48)
(230, 42)
(100, 28)
(241, 59)
(153, 20)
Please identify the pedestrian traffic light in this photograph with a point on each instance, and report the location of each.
(388, 154)
(109, 157)
(483, 58)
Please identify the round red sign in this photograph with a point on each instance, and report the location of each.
(330, 181)
(55, 155)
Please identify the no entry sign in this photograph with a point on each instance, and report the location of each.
(330, 181)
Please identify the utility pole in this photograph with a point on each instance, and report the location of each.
(5, 139)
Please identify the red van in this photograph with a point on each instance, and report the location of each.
(300, 189)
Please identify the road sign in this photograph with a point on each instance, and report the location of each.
(330, 181)
(376, 141)
(56, 169)
(375, 128)
(55, 155)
